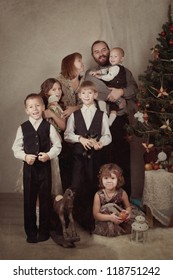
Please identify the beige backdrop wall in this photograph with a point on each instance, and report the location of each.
(36, 34)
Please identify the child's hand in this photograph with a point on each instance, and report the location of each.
(48, 114)
(98, 145)
(62, 116)
(115, 219)
(124, 216)
(97, 76)
(93, 141)
(68, 111)
(86, 143)
(43, 157)
(92, 73)
(128, 216)
(30, 159)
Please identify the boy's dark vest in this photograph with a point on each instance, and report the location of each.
(94, 130)
(120, 79)
(36, 141)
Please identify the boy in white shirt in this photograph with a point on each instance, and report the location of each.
(88, 129)
(36, 143)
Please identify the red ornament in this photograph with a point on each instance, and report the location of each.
(138, 104)
(155, 166)
(171, 42)
(162, 34)
(171, 28)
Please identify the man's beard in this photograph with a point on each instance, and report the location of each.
(105, 62)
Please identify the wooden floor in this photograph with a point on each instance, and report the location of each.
(13, 245)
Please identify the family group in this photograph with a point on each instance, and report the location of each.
(75, 138)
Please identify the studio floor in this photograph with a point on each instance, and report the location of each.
(13, 245)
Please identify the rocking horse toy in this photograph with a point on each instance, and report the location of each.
(63, 207)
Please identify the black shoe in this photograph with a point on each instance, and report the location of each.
(42, 238)
(31, 239)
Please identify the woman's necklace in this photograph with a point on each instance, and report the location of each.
(108, 195)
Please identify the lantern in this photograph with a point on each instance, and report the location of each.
(139, 229)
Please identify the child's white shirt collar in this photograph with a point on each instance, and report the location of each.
(35, 123)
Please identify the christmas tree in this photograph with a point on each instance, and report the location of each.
(154, 117)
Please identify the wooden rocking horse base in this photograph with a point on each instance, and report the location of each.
(66, 243)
